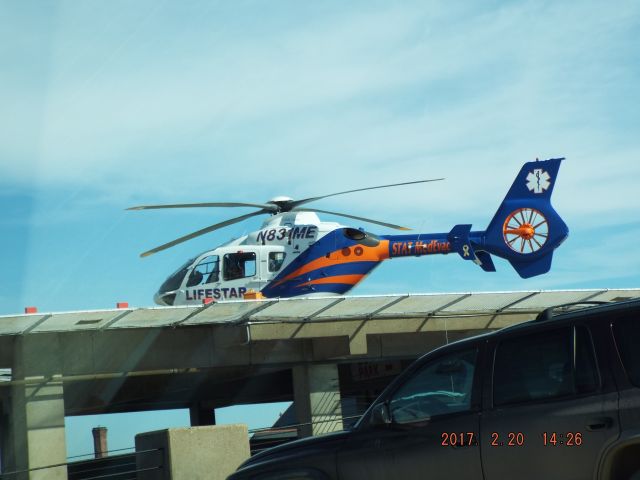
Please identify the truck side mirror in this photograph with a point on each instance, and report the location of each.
(380, 414)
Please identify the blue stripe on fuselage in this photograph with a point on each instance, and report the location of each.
(336, 288)
(291, 287)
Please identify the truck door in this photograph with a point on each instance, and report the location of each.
(435, 418)
(626, 330)
(549, 416)
(432, 432)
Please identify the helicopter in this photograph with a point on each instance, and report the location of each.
(294, 253)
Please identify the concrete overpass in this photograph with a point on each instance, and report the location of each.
(229, 353)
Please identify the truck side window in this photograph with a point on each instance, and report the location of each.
(546, 365)
(627, 334)
(440, 387)
(587, 377)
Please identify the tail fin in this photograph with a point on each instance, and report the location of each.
(526, 229)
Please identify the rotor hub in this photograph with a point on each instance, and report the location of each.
(525, 230)
(280, 199)
(282, 202)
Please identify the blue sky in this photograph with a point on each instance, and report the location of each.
(106, 105)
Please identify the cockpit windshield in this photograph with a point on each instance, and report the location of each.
(175, 279)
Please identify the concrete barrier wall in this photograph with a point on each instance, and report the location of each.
(211, 452)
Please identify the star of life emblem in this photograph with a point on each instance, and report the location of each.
(538, 181)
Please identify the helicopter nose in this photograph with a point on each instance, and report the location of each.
(157, 298)
(165, 299)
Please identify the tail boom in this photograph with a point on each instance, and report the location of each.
(524, 231)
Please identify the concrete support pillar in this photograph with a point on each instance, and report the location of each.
(5, 439)
(316, 397)
(38, 428)
(36, 436)
(201, 415)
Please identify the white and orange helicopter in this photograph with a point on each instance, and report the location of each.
(295, 253)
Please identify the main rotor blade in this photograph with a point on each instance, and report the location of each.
(384, 224)
(295, 203)
(207, 204)
(202, 232)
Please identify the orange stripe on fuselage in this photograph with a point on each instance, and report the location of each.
(348, 279)
(344, 255)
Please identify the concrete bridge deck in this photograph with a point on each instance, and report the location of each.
(225, 353)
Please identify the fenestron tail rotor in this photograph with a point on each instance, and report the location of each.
(272, 207)
(525, 230)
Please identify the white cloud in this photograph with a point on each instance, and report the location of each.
(138, 105)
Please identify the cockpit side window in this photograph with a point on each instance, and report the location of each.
(239, 265)
(276, 259)
(207, 271)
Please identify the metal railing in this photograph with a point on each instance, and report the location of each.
(115, 467)
(99, 468)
